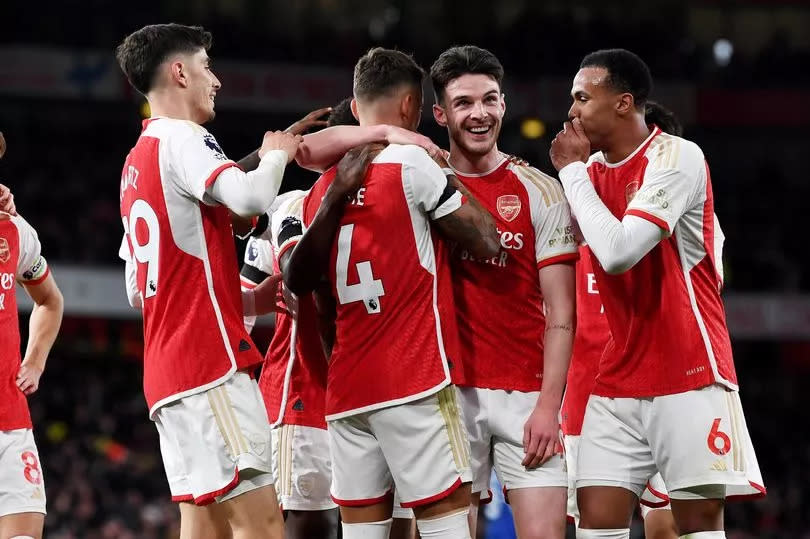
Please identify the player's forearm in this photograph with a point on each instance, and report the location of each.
(250, 161)
(43, 326)
(309, 258)
(618, 245)
(248, 194)
(558, 344)
(320, 150)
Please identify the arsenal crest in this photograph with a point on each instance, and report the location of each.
(5, 252)
(508, 207)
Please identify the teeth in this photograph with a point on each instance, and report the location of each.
(483, 129)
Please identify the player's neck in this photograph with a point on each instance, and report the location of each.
(165, 105)
(470, 163)
(626, 140)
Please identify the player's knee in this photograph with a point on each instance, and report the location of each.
(367, 530)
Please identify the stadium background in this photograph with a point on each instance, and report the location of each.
(732, 72)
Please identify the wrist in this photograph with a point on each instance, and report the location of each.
(551, 401)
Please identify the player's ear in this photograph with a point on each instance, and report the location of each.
(353, 106)
(625, 103)
(177, 72)
(503, 103)
(439, 115)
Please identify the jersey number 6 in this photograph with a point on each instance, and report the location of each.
(369, 289)
(145, 253)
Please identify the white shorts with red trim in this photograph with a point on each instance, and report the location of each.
(694, 438)
(208, 439)
(655, 496)
(302, 466)
(22, 486)
(421, 447)
(494, 420)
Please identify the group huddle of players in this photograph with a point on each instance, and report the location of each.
(438, 314)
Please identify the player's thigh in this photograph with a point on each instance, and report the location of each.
(255, 511)
(22, 485)
(308, 524)
(425, 445)
(203, 522)
(22, 524)
(614, 461)
(303, 468)
(212, 441)
(476, 411)
(360, 474)
(699, 437)
(531, 523)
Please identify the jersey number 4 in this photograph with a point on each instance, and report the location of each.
(369, 289)
(145, 253)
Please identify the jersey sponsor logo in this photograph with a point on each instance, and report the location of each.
(508, 207)
(630, 190)
(5, 251)
(6, 281)
(211, 142)
(510, 240)
(35, 271)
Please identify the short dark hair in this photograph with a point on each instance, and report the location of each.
(342, 114)
(141, 52)
(656, 113)
(463, 60)
(627, 73)
(380, 71)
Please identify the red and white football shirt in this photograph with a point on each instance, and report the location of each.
(392, 343)
(20, 261)
(293, 380)
(498, 300)
(182, 244)
(666, 317)
(589, 342)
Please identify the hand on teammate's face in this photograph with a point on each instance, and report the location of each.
(309, 121)
(541, 437)
(351, 169)
(28, 378)
(281, 140)
(7, 202)
(570, 145)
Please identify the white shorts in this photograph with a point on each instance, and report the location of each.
(655, 495)
(694, 438)
(302, 467)
(399, 511)
(22, 486)
(494, 420)
(420, 446)
(208, 439)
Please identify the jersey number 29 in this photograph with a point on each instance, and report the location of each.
(369, 289)
(146, 253)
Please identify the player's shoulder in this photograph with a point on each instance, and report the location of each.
(171, 128)
(535, 180)
(406, 154)
(671, 151)
(288, 201)
(24, 228)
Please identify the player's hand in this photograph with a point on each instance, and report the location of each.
(2, 145)
(442, 158)
(399, 135)
(517, 160)
(351, 170)
(570, 145)
(7, 201)
(280, 140)
(541, 436)
(28, 377)
(309, 121)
